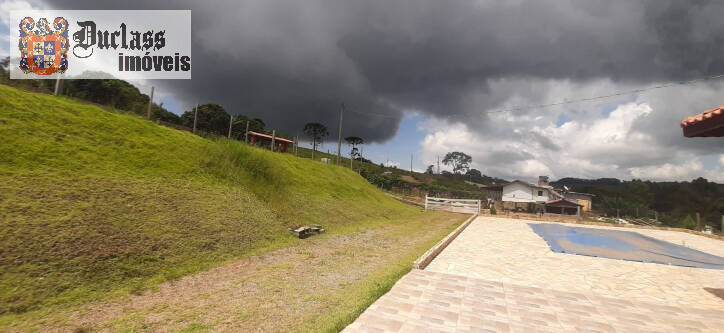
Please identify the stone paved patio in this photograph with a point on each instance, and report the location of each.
(499, 276)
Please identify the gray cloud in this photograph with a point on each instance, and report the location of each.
(291, 62)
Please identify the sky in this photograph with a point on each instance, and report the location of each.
(426, 77)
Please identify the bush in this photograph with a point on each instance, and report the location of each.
(688, 223)
(493, 211)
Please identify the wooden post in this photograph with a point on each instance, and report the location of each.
(426, 202)
(150, 102)
(274, 136)
(57, 85)
(339, 134)
(231, 121)
(196, 116)
(246, 134)
(698, 221)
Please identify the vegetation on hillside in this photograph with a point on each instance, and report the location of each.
(673, 203)
(95, 201)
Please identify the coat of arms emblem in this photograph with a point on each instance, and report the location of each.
(43, 51)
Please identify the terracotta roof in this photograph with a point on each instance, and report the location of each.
(589, 194)
(563, 202)
(707, 123)
(269, 137)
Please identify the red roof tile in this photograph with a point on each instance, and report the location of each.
(707, 123)
(269, 137)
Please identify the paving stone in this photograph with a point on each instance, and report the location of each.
(499, 276)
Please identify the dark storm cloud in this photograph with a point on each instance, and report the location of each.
(292, 62)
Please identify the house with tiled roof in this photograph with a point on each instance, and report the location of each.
(519, 194)
(706, 124)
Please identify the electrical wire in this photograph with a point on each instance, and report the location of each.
(588, 99)
(564, 102)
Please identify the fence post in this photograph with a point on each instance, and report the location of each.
(426, 205)
(57, 85)
(246, 134)
(231, 121)
(196, 116)
(698, 221)
(478, 207)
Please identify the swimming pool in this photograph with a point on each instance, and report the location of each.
(623, 245)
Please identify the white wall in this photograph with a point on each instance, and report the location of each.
(522, 193)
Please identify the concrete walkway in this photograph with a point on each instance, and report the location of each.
(499, 276)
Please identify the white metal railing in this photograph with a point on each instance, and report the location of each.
(470, 206)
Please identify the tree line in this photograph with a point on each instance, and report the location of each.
(675, 204)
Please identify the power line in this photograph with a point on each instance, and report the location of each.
(620, 93)
(587, 99)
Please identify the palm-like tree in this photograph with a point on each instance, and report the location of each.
(317, 132)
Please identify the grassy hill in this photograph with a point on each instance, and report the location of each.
(96, 202)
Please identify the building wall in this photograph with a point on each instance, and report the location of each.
(495, 195)
(522, 193)
(581, 199)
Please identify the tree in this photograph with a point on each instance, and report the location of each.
(317, 132)
(211, 118)
(4, 69)
(430, 169)
(459, 161)
(688, 223)
(474, 175)
(354, 141)
(239, 127)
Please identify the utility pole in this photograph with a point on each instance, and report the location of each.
(410, 162)
(150, 101)
(339, 135)
(196, 116)
(274, 136)
(57, 85)
(438, 164)
(698, 221)
(246, 134)
(231, 121)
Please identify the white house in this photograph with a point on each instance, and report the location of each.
(520, 191)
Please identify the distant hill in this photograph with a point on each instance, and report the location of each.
(670, 202)
(568, 181)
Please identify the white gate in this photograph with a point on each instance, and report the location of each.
(469, 206)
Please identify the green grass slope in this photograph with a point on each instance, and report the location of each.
(94, 202)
